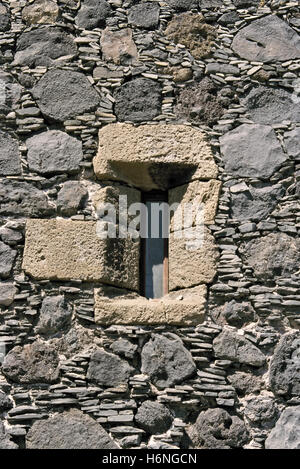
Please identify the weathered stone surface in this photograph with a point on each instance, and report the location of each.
(5, 441)
(71, 198)
(5, 402)
(183, 307)
(245, 383)
(192, 31)
(144, 15)
(153, 417)
(118, 47)
(267, 105)
(138, 100)
(229, 18)
(284, 376)
(54, 152)
(93, 14)
(106, 369)
(200, 103)
(55, 315)
(71, 429)
(234, 313)
(44, 46)
(292, 140)
(10, 93)
(261, 412)
(256, 203)
(153, 156)
(20, 198)
(216, 429)
(230, 346)
(7, 292)
(192, 257)
(33, 363)
(198, 193)
(4, 18)
(62, 94)
(124, 348)
(40, 12)
(285, 434)
(7, 259)
(267, 39)
(246, 3)
(82, 254)
(166, 360)
(10, 163)
(252, 151)
(181, 5)
(273, 255)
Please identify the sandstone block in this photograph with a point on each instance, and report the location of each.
(153, 156)
(183, 307)
(65, 250)
(198, 193)
(192, 259)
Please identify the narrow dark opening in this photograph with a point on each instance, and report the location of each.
(155, 245)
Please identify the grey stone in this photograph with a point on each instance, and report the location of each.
(230, 346)
(10, 163)
(71, 198)
(106, 369)
(234, 313)
(124, 347)
(252, 151)
(10, 93)
(63, 94)
(276, 254)
(7, 293)
(216, 429)
(181, 5)
(261, 411)
(5, 402)
(5, 441)
(245, 3)
(292, 143)
(33, 363)
(256, 203)
(166, 360)
(44, 46)
(153, 417)
(144, 15)
(93, 14)
(7, 259)
(20, 198)
(245, 383)
(285, 434)
(267, 39)
(55, 315)
(138, 100)
(229, 18)
(4, 18)
(70, 429)
(215, 67)
(284, 374)
(210, 3)
(54, 152)
(266, 105)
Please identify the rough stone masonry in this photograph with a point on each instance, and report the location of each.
(102, 98)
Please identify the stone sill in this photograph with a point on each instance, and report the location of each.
(189, 311)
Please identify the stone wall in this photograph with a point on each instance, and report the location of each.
(216, 364)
